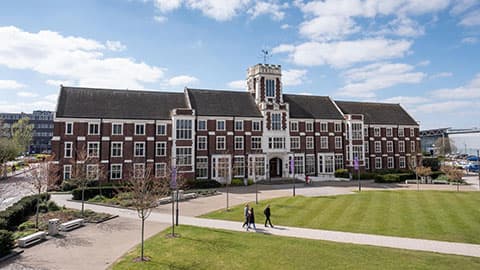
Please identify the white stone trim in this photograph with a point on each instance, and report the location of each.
(104, 161)
(81, 138)
(55, 138)
(150, 139)
(211, 133)
(127, 161)
(105, 138)
(128, 138)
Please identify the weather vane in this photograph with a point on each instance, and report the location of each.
(265, 55)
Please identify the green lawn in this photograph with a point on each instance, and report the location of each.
(440, 215)
(200, 248)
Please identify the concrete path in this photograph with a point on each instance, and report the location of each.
(335, 236)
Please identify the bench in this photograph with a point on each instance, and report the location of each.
(412, 181)
(72, 224)
(31, 239)
(189, 196)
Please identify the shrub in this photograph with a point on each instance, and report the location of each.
(6, 242)
(237, 182)
(342, 173)
(250, 182)
(442, 177)
(52, 206)
(432, 163)
(19, 212)
(393, 177)
(68, 185)
(42, 208)
(91, 192)
(436, 174)
(367, 176)
(26, 225)
(200, 184)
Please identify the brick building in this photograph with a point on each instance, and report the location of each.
(252, 134)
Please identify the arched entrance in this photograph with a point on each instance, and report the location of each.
(275, 167)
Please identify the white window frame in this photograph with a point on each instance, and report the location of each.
(338, 127)
(135, 149)
(378, 147)
(181, 161)
(323, 142)
(276, 121)
(238, 142)
(89, 169)
(142, 166)
(159, 173)
(69, 148)
(413, 147)
(323, 127)
(339, 162)
(401, 146)
(204, 122)
(389, 132)
(299, 164)
(201, 166)
(69, 172)
(310, 142)
(295, 142)
(412, 132)
(164, 129)
(257, 122)
(218, 140)
(89, 144)
(93, 124)
(338, 142)
(376, 132)
(309, 126)
(139, 125)
(401, 134)
(113, 128)
(366, 146)
(378, 165)
(241, 125)
(112, 171)
(218, 128)
(237, 168)
(256, 141)
(389, 147)
(183, 129)
(202, 143)
(112, 148)
(294, 126)
(401, 162)
(270, 86)
(390, 163)
(71, 128)
(367, 163)
(158, 147)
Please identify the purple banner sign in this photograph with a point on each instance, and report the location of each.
(292, 165)
(355, 164)
(173, 182)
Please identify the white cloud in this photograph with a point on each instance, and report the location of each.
(424, 63)
(364, 81)
(404, 27)
(160, 19)
(406, 100)
(328, 28)
(470, 40)
(293, 77)
(469, 91)
(461, 6)
(59, 82)
(52, 97)
(264, 8)
(17, 107)
(167, 5)
(239, 85)
(27, 94)
(441, 75)
(285, 26)
(10, 84)
(471, 19)
(444, 107)
(72, 58)
(115, 46)
(182, 80)
(344, 53)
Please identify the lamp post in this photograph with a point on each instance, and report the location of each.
(478, 167)
(357, 168)
(173, 185)
(292, 168)
(255, 181)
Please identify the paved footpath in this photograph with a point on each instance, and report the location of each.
(335, 236)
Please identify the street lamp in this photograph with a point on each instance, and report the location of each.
(292, 168)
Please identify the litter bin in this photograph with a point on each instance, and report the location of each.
(53, 226)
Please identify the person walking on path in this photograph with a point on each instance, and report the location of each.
(251, 219)
(245, 215)
(267, 216)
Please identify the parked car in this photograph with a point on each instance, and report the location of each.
(473, 168)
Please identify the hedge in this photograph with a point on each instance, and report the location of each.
(6, 242)
(201, 184)
(432, 163)
(393, 177)
(237, 182)
(436, 174)
(19, 212)
(342, 173)
(91, 192)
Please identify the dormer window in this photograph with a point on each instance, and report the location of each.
(270, 88)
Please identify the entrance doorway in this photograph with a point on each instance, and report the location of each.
(275, 167)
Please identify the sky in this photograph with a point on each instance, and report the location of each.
(424, 55)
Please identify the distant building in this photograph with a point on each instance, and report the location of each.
(42, 122)
(260, 133)
(463, 141)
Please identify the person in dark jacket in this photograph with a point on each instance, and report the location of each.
(267, 216)
(251, 219)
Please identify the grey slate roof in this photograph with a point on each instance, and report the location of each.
(222, 103)
(378, 113)
(117, 104)
(318, 107)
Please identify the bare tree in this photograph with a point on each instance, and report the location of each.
(423, 172)
(445, 146)
(454, 174)
(8, 151)
(85, 171)
(40, 175)
(145, 190)
(412, 165)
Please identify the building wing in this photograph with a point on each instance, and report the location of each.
(378, 113)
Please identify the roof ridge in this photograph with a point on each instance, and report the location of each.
(300, 95)
(367, 102)
(121, 90)
(216, 90)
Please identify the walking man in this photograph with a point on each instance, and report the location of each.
(251, 219)
(245, 215)
(267, 216)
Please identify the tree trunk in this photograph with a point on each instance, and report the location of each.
(37, 211)
(143, 226)
(458, 186)
(83, 199)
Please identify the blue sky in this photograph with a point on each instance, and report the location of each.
(422, 54)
